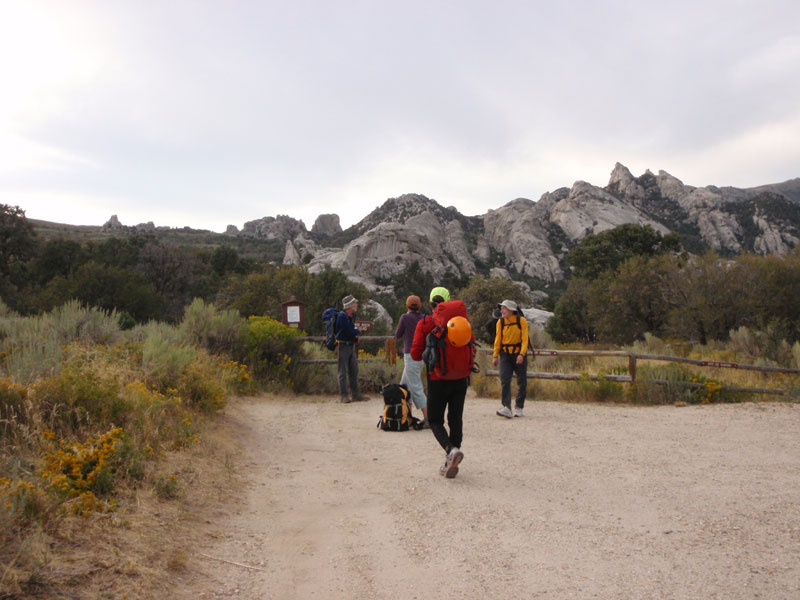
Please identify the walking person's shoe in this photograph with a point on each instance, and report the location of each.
(360, 398)
(443, 469)
(345, 400)
(505, 412)
(451, 464)
(517, 411)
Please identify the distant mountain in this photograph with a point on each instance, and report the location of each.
(528, 240)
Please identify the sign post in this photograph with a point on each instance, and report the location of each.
(364, 326)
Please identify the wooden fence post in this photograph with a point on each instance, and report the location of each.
(390, 349)
(632, 367)
(483, 363)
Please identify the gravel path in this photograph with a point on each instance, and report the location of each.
(570, 501)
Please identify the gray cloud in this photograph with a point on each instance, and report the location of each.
(204, 114)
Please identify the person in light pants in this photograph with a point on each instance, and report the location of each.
(412, 369)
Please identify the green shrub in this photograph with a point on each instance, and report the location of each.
(140, 333)
(76, 401)
(270, 346)
(32, 346)
(165, 362)
(216, 331)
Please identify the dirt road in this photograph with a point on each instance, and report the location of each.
(570, 501)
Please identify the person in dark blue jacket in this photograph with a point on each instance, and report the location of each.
(347, 338)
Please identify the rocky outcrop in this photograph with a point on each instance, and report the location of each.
(290, 255)
(231, 230)
(148, 227)
(113, 224)
(455, 246)
(326, 225)
(274, 228)
(533, 238)
(390, 248)
(380, 316)
(537, 316)
(589, 209)
(514, 231)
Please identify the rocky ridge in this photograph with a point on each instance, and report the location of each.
(529, 240)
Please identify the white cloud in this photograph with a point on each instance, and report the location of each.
(189, 113)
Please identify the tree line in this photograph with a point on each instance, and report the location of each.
(630, 281)
(622, 283)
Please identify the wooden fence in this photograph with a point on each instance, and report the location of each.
(632, 363)
(390, 351)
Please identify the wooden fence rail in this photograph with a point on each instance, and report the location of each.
(632, 358)
(391, 357)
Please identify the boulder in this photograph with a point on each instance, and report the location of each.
(326, 225)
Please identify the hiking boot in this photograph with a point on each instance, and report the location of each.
(451, 464)
(517, 411)
(505, 412)
(345, 400)
(425, 424)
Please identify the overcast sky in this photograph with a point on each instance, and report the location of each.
(204, 114)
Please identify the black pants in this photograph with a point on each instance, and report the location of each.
(509, 368)
(448, 394)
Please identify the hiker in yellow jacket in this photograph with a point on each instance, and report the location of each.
(510, 350)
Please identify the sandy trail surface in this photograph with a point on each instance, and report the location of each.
(570, 501)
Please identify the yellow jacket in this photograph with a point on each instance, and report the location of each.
(513, 338)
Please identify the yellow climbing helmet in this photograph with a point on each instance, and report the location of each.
(440, 291)
(459, 331)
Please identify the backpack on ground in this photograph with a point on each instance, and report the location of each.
(440, 356)
(329, 318)
(397, 409)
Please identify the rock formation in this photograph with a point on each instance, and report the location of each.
(326, 225)
(274, 228)
(112, 224)
(527, 238)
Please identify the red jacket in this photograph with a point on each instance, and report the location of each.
(459, 360)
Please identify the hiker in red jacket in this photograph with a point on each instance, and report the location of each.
(448, 377)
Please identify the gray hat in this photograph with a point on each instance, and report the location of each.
(509, 304)
(348, 301)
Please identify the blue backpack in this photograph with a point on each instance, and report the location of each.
(329, 317)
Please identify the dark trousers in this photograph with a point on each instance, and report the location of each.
(508, 368)
(348, 369)
(447, 394)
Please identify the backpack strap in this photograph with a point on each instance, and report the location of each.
(510, 348)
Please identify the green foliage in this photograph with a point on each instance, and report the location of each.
(225, 260)
(107, 287)
(767, 346)
(32, 346)
(165, 362)
(642, 391)
(605, 251)
(270, 346)
(16, 240)
(570, 321)
(216, 331)
(482, 297)
(602, 390)
(625, 304)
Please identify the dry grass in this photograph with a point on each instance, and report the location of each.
(143, 549)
